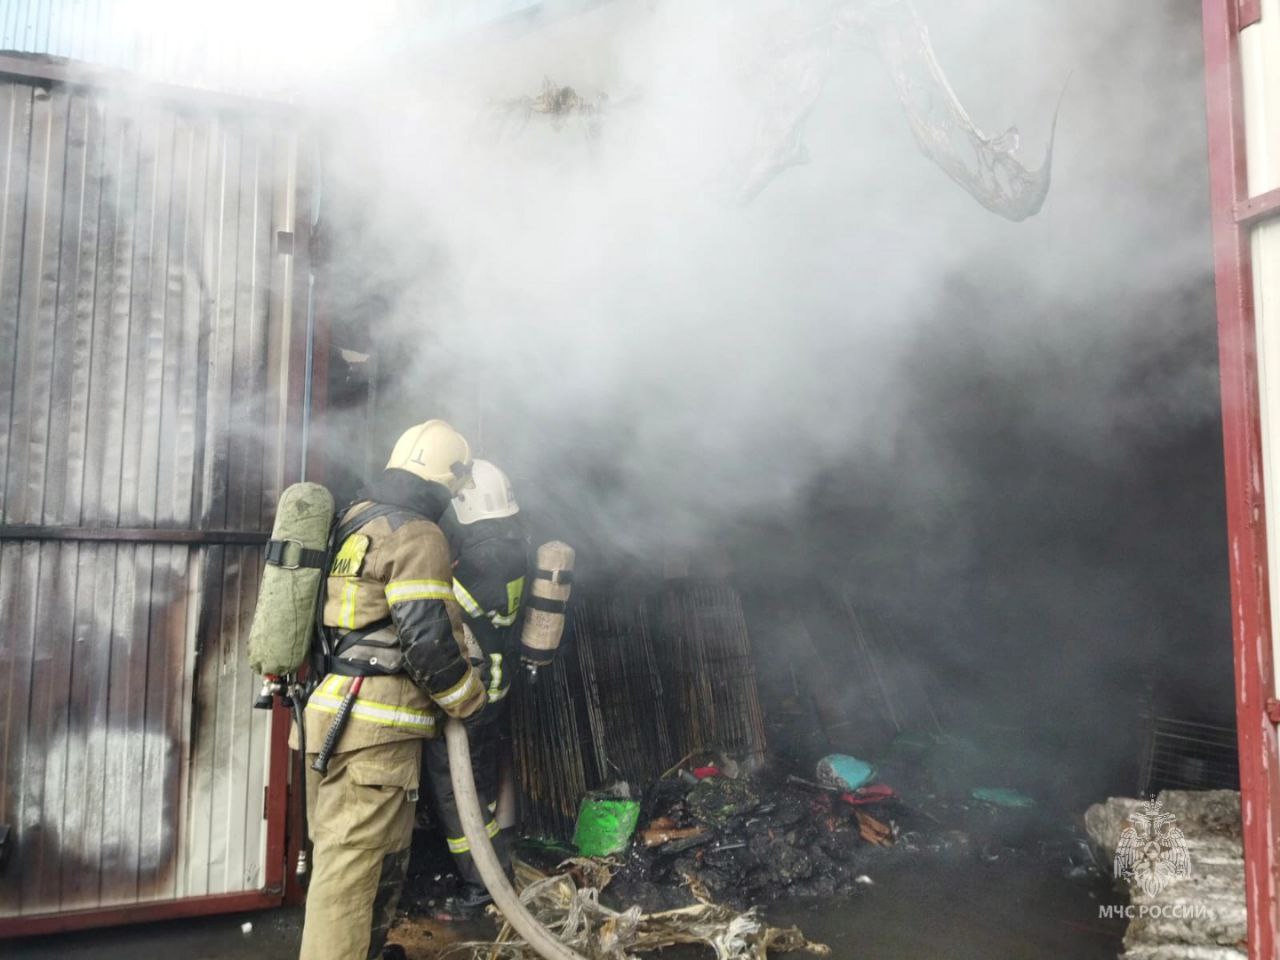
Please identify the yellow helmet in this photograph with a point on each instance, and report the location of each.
(434, 451)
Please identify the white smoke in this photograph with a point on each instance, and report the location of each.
(654, 354)
(1003, 429)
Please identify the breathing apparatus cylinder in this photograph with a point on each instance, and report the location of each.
(546, 603)
(285, 616)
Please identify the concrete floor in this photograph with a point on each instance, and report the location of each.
(274, 935)
(962, 911)
(967, 910)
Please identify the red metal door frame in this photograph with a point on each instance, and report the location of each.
(1257, 709)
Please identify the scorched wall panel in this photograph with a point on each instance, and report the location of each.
(145, 357)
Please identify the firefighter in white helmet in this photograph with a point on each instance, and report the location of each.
(491, 553)
(393, 636)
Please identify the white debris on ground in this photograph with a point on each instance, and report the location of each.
(1199, 917)
(578, 919)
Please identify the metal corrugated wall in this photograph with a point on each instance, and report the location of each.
(181, 43)
(144, 365)
(244, 47)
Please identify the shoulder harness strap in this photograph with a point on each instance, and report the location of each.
(334, 647)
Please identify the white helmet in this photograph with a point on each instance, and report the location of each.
(434, 451)
(490, 498)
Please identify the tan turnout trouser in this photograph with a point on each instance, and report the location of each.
(361, 820)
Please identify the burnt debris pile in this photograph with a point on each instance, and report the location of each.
(750, 840)
(644, 748)
(711, 833)
(711, 830)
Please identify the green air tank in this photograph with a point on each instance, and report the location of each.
(284, 619)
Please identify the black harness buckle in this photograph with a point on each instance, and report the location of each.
(275, 553)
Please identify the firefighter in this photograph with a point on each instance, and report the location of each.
(486, 534)
(393, 632)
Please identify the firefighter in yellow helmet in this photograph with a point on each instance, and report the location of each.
(392, 632)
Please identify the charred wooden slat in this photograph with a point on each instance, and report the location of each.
(626, 699)
(714, 676)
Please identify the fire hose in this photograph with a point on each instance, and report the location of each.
(486, 860)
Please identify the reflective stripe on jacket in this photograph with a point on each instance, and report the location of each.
(395, 570)
(386, 709)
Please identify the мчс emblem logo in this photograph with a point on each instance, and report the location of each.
(1152, 851)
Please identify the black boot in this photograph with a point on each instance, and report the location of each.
(467, 904)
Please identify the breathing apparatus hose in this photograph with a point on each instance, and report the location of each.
(302, 868)
(482, 853)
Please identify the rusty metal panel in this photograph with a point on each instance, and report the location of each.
(1244, 460)
(144, 347)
